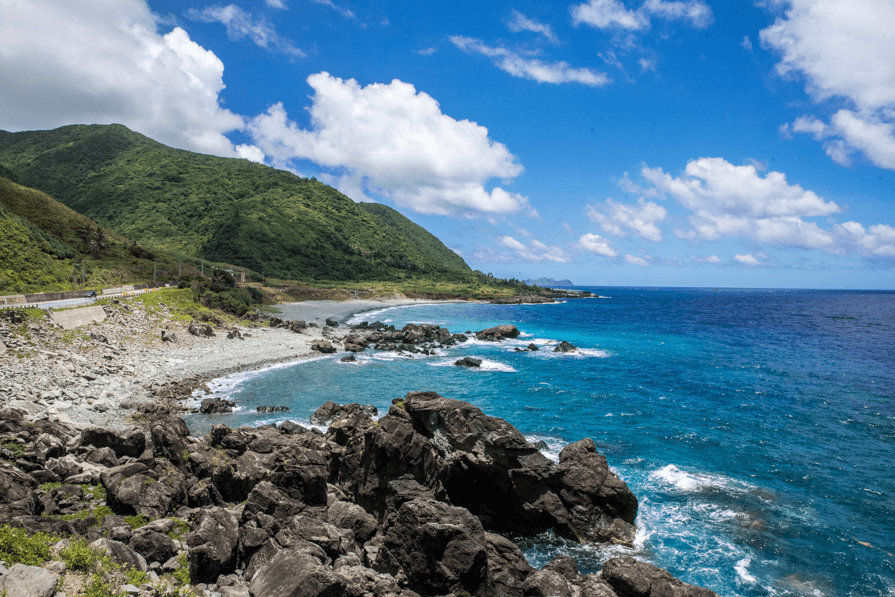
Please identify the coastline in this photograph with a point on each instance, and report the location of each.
(84, 382)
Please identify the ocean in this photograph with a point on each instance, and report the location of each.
(756, 427)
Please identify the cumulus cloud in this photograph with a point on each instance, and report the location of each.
(612, 14)
(843, 49)
(535, 250)
(618, 218)
(636, 261)
(531, 68)
(165, 86)
(594, 243)
(521, 22)
(747, 259)
(275, 3)
(241, 24)
(728, 201)
(746, 43)
(399, 140)
(713, 259)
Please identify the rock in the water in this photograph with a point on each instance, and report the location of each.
(216, 406)
(28, 581)
(632, 578)
(349, 359)
(498, 333)
(565, 347)
(332, 322)
(532, 347)
(272, 409)
(468, 362)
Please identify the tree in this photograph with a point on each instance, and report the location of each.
(98, 242)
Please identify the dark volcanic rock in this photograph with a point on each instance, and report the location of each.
(468, 362)
(169, 436)
(565, 347)
(199, 330)
(498, 333)
(632, 578)
(350, 358)
(485, 464)
(130, 445)
(271, 409)
(332, 322)
(507, 566)
(294, 573)
(440, 548)
(330, 411)
(216, 406)
(323, 347)
(532, 347)
(155, 547)
(212, 544)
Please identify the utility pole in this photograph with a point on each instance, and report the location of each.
(74, 278)
(83, 274)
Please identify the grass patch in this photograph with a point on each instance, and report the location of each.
(137, 520)
(17, 448)
(16, 547)
(182, 574)
(179, 530)
(79, 556)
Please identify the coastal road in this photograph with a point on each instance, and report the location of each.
(67, 304)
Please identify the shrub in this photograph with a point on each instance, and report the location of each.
(79, 555)
(16, 547)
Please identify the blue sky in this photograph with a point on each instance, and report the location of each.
(612, 142)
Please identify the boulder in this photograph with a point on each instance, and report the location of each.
(271, 409)
(170, 437)
(468, 362)
(28, 581)
(332, 322)
(214, 406)
(350, 358)
(132, 444)
(121, 553)
(532, 347)
(212, 544)
(345, 515)
(632, 578)
(294, 573)
(497, 333)
(439, 548)
(330, 411)
(323, 347)
(154, 546)
(201, 331)
(169, 337)
(565, 347)
(506, 565)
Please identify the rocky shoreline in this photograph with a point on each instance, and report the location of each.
(412, 504)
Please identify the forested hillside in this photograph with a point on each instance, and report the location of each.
(225, 210)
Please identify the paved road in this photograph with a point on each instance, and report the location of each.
(66, 304)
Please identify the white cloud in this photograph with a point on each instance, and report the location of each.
(713, 259)
(747, 259)
(275, 3)
(746, 43)
(531, 68)
(727, 201)
(241, 24)
(400, 141)
(342, 11)
(521, 22)
(618, 218)
(594, 243)
(426, 51)
(612, 14)
(843, 49)
(164, 86)
(636, 261)
(535, 250)
(717, 186)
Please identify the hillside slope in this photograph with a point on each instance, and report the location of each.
(226, 210)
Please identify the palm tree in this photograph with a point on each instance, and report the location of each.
(98, 242)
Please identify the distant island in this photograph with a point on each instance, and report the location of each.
(548, 282)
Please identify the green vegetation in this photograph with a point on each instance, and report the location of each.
(79, 555)
(16, 547)
(227, 210)
(17, 448)
(182, 574)
(179, 530)
(137, 520)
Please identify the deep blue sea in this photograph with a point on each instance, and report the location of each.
(756, 427)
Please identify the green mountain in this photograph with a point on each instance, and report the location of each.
(548, 282)
(221, 209)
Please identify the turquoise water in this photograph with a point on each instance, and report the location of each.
(757, 427)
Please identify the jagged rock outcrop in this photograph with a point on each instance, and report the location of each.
(497, 333)
(565, 347)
